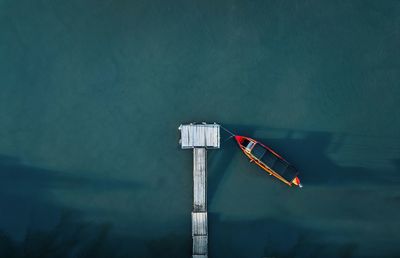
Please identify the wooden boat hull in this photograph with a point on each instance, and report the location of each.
(269, 160)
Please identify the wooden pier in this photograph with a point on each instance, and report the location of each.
(200, 137)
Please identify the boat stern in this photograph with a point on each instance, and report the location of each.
(296, 181)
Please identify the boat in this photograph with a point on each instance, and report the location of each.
(269, 160)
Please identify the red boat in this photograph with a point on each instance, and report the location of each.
(269, 160)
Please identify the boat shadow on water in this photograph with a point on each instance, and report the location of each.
(366, 159)
(344, 176)
(270, 237)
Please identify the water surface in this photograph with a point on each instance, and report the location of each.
(92, 94)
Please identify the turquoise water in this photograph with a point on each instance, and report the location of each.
(92, 94)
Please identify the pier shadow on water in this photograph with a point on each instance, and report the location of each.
(218, 162)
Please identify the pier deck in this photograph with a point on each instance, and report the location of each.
(200, 137)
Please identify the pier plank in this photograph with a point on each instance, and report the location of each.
(199, 179)
(199, 223)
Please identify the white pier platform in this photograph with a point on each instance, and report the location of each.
(200, 136)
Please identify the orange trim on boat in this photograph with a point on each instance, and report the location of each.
(247, 151)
